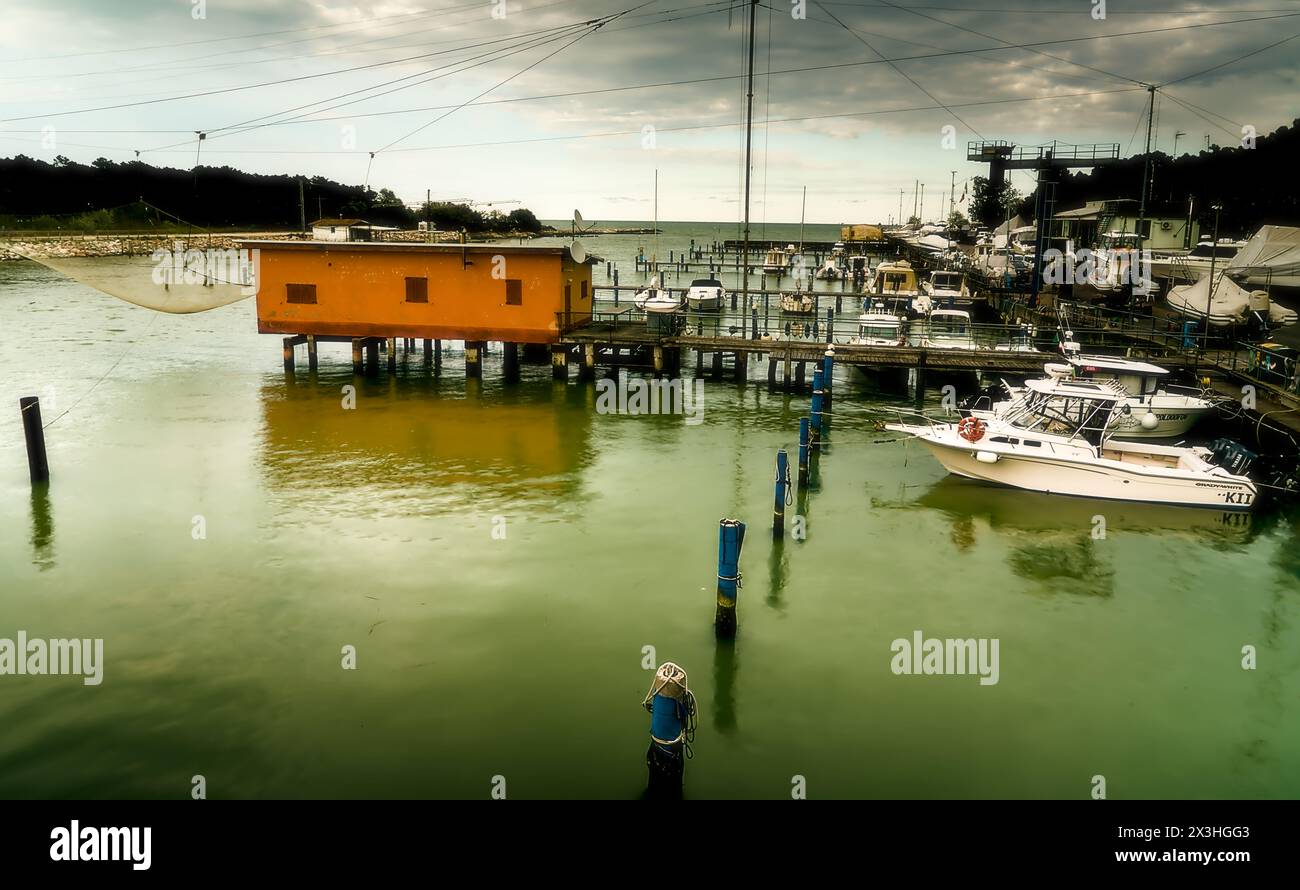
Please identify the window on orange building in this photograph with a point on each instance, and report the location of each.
(584, 291)
(514, 292)
(417, 290)
(300, 293)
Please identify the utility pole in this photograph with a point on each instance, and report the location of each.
(952, 196)
(749, 143)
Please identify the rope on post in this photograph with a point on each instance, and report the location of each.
(731, 537)
(672, 729)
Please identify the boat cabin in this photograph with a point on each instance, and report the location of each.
(896, 278)
(945, 329)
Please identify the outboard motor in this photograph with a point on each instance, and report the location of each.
(1232, 456)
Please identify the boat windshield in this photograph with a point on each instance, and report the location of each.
(878, 331)
(1062, 416)
(892, 282)
(706, 282)
(946, 280)
(1219, 251)
(949, 326)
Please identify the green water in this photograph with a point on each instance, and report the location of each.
(480, 657)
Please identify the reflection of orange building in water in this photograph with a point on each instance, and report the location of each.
(368, 291)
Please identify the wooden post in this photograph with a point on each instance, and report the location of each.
(742, 367)
(771, 373)
(588, 369)
(799, 377)
(717, 366)
(510, 362)
(473, 358)
(372, 356)
(437, 356)
(559, 363)
(803, 452)
(428, 351)
(785, 381)
(731, 537)
(659, 361)
(38, 465)
(311, 352)
(782, 485)
(288, 354)
(392, 355)
(356, 355)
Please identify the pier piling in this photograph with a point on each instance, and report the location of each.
(510, 362)
(782, 488)
(372, 357)
(816, 423)
(392, 355)
(803, 452)
(312, 358)
(587, 370)
(559, 363)
(288, 354)
(473, 359)
(731, 537)
(356, 355)
(672, 727)
(38, 465)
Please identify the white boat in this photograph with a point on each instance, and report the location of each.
(1058, 440)
(1020, 341)
(798, 303)
(944, 329)
(947, 288)
(653, 299)
(1229, 304)
(896, 280)
(1152, 408)
(879, 327)
(830, 270)
(1271, 258)
(777, 261)
(705, 294)
(1195, 263)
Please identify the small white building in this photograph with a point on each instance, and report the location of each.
(340, 230)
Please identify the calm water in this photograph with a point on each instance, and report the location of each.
(522, 657)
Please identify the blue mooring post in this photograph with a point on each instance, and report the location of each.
(803, 452)
(816, 433)
(731, 537)
(828, 385)
(672, 727)
(782, 486)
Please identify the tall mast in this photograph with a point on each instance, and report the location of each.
(1146, 170)
(803, 211)
(655, 257)
(749, 143)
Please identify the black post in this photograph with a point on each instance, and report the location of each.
(37, 463)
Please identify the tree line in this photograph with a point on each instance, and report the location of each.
(105, 195)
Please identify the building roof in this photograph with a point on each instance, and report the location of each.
(492, 248)
(321, 223)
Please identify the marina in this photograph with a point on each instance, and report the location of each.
(698, 468)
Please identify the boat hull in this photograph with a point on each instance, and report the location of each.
(1079, 479)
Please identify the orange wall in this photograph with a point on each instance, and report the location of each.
(361, 292)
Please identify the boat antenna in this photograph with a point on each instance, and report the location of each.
(749, 144)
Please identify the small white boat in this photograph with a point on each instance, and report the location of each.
(879, 327)
(1195, 263)
(705, 294)
(1227, 303)
(1152, 408)
(654, 299)
(831, 271)
(1058, 439)
(944, 329)
(777, 261)
(946, 288)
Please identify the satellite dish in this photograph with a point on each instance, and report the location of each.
(577, 217)
(578, 252)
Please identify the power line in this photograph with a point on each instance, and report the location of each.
(1253, 52)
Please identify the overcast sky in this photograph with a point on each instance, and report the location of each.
(854, 130)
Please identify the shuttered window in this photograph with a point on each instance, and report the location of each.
(514, 292)
(584, 291)
(301, 293)
(417, 290)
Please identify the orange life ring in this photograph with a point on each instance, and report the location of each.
(971, 429)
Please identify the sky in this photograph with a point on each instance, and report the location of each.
(510, 102)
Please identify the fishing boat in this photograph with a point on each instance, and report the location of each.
(655, 300)
(777, 261)
(1227, 303)
(1058, 439)
(878, 326)
(705, 295)
(947, 288)
(944, 329)
(1151, 409)
(798, 303)
(830, 270)
(896, 280)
